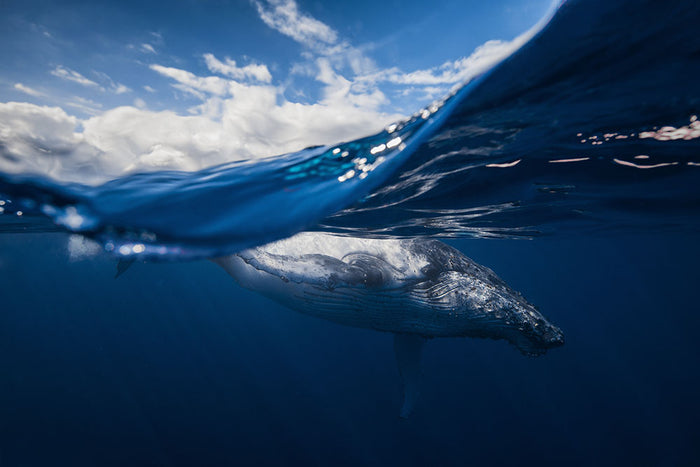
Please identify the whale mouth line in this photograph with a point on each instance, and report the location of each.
(538, 347)
(535, 351)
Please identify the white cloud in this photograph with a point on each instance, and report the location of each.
(344, 68)
(229, 68)
(133, 139)
(457, 71)
(253, 121)
(27, 90)
(25, 123)
(318, 38)
(116, 88)
(285, 17)
(120, 89)
(71, 75)
(86, 106)
(189, 82)
(148, 48)
(43, 140)
(46, 140)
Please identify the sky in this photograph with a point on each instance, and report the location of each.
(92, 90)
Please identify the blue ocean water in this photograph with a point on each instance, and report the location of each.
(572, 169)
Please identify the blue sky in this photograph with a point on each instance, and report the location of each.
(184, 84)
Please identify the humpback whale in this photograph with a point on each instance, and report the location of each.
(416, 289)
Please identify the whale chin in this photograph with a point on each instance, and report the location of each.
(537, 347)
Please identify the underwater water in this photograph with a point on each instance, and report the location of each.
(174, 364)
(572, 169)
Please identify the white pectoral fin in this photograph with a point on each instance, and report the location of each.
(408, 349)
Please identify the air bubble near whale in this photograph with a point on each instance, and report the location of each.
(415, 288)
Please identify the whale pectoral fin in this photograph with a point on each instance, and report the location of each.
(408, 349)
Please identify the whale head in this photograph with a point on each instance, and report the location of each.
(484, 306)
(531, 333)
(480, 304)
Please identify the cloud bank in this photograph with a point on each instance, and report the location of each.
(242, 112)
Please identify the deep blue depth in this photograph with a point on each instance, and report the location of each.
(174, 364)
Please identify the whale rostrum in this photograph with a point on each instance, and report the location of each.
(415, 288)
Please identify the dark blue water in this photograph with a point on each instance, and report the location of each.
(173, 364)
(580, 152)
